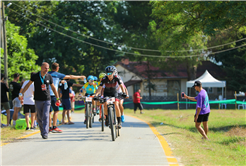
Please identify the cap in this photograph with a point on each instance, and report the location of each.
(197, 83)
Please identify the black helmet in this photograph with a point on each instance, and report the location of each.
(115, 69)
(109, 69)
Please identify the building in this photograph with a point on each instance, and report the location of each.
(164, 84)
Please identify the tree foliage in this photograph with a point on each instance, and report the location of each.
(21, 59)
(199, 24)
(85, 18)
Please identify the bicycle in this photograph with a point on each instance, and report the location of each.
(115, 130)
(101, 114)
(89, 115)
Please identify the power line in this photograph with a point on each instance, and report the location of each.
(142, 49)
(156, 56)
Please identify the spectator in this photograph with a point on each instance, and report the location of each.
(202, 109)
(15, 89)
(65, 99)
(4, 98)
(42, 83)
(136, 101)
(56, 78)
(29, 103)
(72, 98)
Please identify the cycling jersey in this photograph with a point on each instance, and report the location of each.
(110, 86)
(90, 89)
(96, 83)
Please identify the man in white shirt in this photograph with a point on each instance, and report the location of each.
(29, 103)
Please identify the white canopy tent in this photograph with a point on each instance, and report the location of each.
(207, 80)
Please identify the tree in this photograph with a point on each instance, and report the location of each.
(234, 64)
(21, 59)
(73, 55)
(181, 25)
(133, 19)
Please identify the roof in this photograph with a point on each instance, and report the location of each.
(207, 80)
(131, 82)
(141, 68)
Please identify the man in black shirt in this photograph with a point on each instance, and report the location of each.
(42, 82)
(4, 98)
(15, 89)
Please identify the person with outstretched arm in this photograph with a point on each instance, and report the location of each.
(202, 109)
(57, 77)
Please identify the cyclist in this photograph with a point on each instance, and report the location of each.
(90, 89)
(95, 80)
(110, 81)
(121, 101)
(101, 75)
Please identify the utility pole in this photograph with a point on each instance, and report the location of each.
(4, 37)
(5, 45)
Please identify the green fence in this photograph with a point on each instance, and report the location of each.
(231, 101)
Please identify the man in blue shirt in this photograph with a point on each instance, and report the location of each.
(57, 77)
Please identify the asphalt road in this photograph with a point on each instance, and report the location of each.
(77, 145)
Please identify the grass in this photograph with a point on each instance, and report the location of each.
(9, 134)
(227, 132)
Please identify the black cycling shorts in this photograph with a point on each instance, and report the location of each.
(27, 107)
(115, 94)
(86, 94)
(202, 117)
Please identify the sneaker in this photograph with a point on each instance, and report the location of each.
(32, 128)
(27, 128)
(51, 129)
(141, 112)
(122, 118)
(98, 112)
(56, 130)
(44, 136)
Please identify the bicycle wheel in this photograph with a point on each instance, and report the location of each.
(116, 127)
(87, 115)
(102, 116)
(91, 116)
(112, 126)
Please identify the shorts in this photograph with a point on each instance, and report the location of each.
(53, 104)
(16, 103)
(111, 95)
(66, 104)
(27, 107)
(138, 105)
(86, 94)
(202, 117)
(72, 104)
(5, 105)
